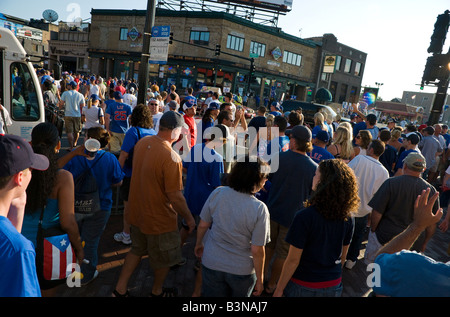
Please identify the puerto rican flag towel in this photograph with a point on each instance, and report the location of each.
(58, 254)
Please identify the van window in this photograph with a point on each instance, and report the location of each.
(24, 101)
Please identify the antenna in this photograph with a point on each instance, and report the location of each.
(50, 15)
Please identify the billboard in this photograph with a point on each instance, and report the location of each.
(276, 5)
(370, 95)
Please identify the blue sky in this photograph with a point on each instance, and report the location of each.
(394, 33)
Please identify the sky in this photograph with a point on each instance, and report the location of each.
(395, 34)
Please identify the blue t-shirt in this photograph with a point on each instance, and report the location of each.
(206, 125)
(106, 172)
(402, 156)
(18, 276)
(119, 113)
(258, 122)
(291, 186)
(321, 241)
(317, 129)
(204, 170)
(283, 144)
(130, 140)
(357, 127)
(410, 274)
(388, 158)
(319, 153)
(276, 113)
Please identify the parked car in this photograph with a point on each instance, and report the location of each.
(308, 109)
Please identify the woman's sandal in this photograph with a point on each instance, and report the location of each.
(117, 294)
(167, 292)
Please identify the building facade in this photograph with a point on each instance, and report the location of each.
(284, 64)
(424, 102)
(345, 78)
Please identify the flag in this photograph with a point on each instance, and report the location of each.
(58, 254)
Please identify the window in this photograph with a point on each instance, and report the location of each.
(199, 37)
(123, 34)
(348, 65)
(235, 43)
(338, 62)
(292, 58)
(24, 102)
(357, 69)
(257, 49)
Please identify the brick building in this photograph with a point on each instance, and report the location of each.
(284, 64)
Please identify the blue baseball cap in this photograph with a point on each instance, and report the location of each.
(118, 95)
(95, 97)
(18, 155)
(214, 105)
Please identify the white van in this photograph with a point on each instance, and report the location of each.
(20, 91)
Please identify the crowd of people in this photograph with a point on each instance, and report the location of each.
(277, 208)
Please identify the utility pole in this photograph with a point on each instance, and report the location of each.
(144, 66)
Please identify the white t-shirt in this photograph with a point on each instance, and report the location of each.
(7, 120)
(92, 116)
(130, 99)
(371, 174)
(94, 90)
(156, 118)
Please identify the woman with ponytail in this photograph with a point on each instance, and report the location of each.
(92, 115)
(52, 189)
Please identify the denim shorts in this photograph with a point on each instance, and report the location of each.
(296, 290)
(222, 284)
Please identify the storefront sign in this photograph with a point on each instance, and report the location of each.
(159, 44)
(276, 53)
(329, 64)
(134, 34)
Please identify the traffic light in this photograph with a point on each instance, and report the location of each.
(436, 68)
(217, 50)
(439, 33)
(171, 38)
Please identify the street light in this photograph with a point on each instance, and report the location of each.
(379, 84)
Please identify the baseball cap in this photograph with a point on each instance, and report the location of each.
(118, 95)
(73, 83)
(172, 120)
(415, 161)
(189, 104)
(413, 138)
(95, 97)
(214, 105)
(173, 104)
(18, 155)
(299, 132)
(391, 120)
(323, 136)
(422, 126)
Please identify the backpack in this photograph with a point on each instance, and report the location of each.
(87, 196)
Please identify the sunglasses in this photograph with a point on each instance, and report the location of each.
(153, 104)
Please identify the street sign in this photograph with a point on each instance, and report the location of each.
(159, 44)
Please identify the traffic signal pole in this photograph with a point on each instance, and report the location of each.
(143, 75)
(438, 66)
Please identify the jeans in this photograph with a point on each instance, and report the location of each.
(91, 228)
(222, 284)
(295, 290)
(358, 235)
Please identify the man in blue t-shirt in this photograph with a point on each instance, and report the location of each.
(18, 276)
(410, 145)
(116, 121)
(291, 185)
(283, 140)
(204, 168)
(319, 151)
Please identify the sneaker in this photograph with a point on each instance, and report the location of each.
(84, 283)
(122, 237)
(349, 264)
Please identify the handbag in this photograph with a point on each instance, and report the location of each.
(55, 257)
